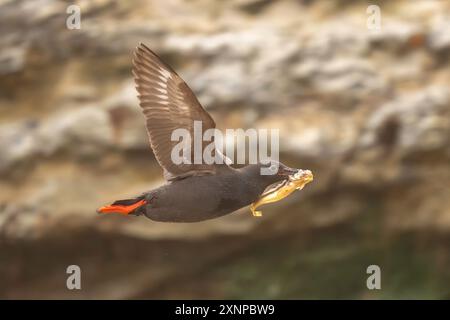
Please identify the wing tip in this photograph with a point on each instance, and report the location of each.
(141, 53)
(143, 47)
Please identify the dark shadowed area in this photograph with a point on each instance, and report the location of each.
(368, 111)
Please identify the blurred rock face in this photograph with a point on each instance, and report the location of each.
(367, 111)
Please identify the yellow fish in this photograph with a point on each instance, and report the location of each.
(282, 190)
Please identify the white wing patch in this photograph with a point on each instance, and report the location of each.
(164, 91)
(162, 96)
(166, 74)
(163, 79)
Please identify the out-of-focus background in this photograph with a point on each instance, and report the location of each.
(367, 110)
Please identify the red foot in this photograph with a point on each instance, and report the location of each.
(121, 209)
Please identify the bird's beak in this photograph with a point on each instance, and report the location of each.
(286, 171)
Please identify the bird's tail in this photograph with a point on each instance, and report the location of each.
(135, 206)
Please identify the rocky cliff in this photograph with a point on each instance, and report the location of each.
(368, 111)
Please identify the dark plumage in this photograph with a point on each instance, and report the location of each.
(194, 192)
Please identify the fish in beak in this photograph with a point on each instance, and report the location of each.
(295, 181)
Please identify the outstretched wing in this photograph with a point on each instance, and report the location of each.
(168, 104)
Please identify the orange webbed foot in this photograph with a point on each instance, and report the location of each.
(121, 209)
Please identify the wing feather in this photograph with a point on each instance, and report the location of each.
(168, 104)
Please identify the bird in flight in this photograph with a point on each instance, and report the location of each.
(193, 192)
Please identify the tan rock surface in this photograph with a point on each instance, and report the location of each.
(368, 112)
